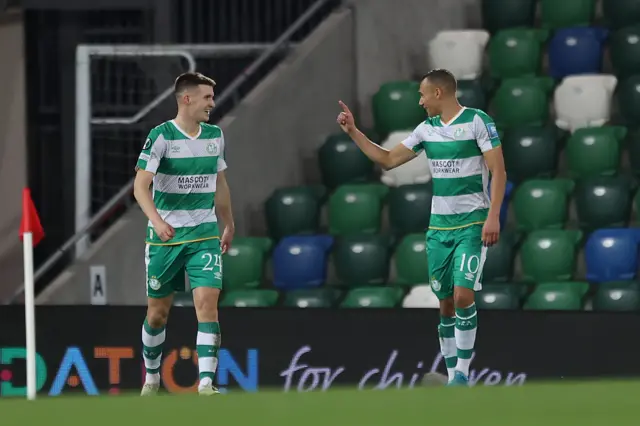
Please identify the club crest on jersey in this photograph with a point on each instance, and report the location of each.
(154, 283)
(459, 131)
(212, 148)
(435, 284)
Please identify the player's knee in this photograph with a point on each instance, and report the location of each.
(207, 309)
(447, 308)
(157, 317)
(463, 297)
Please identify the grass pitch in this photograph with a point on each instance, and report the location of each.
(563, 404)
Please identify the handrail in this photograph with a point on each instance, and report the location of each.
(127, 189)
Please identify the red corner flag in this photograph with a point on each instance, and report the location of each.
(30, 221)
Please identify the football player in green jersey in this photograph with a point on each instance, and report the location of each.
(183, 162)
(463, 148)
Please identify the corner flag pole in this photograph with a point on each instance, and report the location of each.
(31, 233)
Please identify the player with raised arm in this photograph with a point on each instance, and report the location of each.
(463, 147)
(184, 160)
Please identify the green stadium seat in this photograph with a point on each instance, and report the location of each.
(542, 204)
(183, 298)
(621, 13)
(625, 51)
(567, 13)
(498, 296)
(595, 151)
(341, 161)
(549, 255)
(501, 14)
(617, 296)
(530, 152)
(410, 260)
(356, 208)
(516, 52)
(498, 267)
(562, 296)
(471, 94)
(603, 202)
(294, 210)
(362, 259)
(628, 94)
(244, 262)
(522, 101)
(249, 298)
(311, 298)
(410, 208)
(395, 107)
(372, 297)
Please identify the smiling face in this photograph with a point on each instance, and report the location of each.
(199, 102)
(194, 93)
(431, 98)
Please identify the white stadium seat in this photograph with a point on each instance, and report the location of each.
(584, 101)
(460, 52)
(421, 296)
(414, 171)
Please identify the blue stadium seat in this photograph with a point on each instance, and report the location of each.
(504, 209)
(612, 254)
(576, 51)
(301, 261)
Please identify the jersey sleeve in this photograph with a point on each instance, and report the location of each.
(152, 152)
(414, 141)
(222, 162)
(485, 132)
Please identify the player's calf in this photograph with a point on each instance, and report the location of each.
(446, 334)
(465, 330)
(153, 337)
(209, 337)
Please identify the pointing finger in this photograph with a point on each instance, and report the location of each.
(344, 107)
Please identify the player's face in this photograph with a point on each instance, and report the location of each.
(430, 98)
(201, 103)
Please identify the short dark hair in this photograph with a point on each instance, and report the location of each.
(191, 79)
(443, 78)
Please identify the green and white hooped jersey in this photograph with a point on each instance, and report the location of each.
(184, 185)
(460, 175)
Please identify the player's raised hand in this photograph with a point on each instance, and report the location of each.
(491, 231)
(225, 241)
(164, 231)
(345, 118)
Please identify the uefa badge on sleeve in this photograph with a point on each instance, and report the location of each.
(147, 144)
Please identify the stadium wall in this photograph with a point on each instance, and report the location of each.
(13, 170)
(311, 349)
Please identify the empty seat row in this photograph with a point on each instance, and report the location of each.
(567, 295)
(545, 255)
(530, 151)
(600, 202)
(580, 101)
(518, 52)
(501, 14)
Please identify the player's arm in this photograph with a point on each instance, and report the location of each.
(146, 167)
(223, 201)
(488, 141)
(387, 159)
(495, 164)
